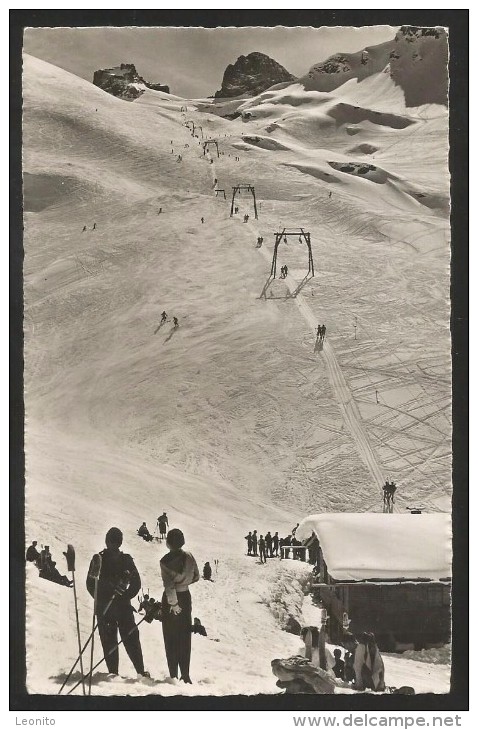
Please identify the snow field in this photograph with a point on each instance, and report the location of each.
(231, 422)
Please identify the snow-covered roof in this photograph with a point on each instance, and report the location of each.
(368, 546)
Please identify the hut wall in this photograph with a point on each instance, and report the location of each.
(399, 614)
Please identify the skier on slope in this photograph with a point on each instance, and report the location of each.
(118, 580)
(163, 316)
(163, 525)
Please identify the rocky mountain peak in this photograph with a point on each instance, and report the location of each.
(251, 75)
(124, 82)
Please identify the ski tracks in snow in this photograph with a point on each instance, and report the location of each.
(346, 402)
(347, 405)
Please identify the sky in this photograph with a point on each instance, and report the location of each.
(192, 61)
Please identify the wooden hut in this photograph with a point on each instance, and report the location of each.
(385, 573)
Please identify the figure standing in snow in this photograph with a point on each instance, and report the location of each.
(175, 322)
(84, 229)
(119, 580)
(249, 543)
(275, 544)
(368, 664)
(202, 220)
(178, 571)
(262, 550)
(286, 271)
(254, 543)
(163, 525)
(324, 330)
(94, 227)
(268, 541)
(330, 194)
(160, 211)
(207, 572)
(163, 317)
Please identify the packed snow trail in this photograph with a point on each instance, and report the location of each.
(345, 399)
(348, 407)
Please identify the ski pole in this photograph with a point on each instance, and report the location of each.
(85, 646)
(106, 655)
(70, 560)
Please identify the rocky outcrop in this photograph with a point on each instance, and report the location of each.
(416, 59)
(124, 82)
(420, 65)
(251, 75)
(298, 676)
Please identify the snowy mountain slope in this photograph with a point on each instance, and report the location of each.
(231, 422)
(416, 61)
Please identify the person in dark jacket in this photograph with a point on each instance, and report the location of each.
(339, 666)
(254, 543)
(118, 583)
(145, 533)
(33, 556)
(178, 571)
(163, 525)
(248, 537)
(275, 544)
(207, 572)
(268, 541)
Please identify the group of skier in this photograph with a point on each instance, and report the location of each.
(389, 489)
(284, 270)
(321, 330)
(46, 565)
(85, 228)
(272, 546)
(164, 318)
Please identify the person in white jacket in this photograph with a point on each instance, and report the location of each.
(178, 571)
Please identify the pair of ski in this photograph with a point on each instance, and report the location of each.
(95, 570)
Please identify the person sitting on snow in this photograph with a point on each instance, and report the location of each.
(33, 555)
(144, 533)
(207, 572)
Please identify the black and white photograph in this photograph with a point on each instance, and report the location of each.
(237, 360)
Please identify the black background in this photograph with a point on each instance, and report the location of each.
(457, 23)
